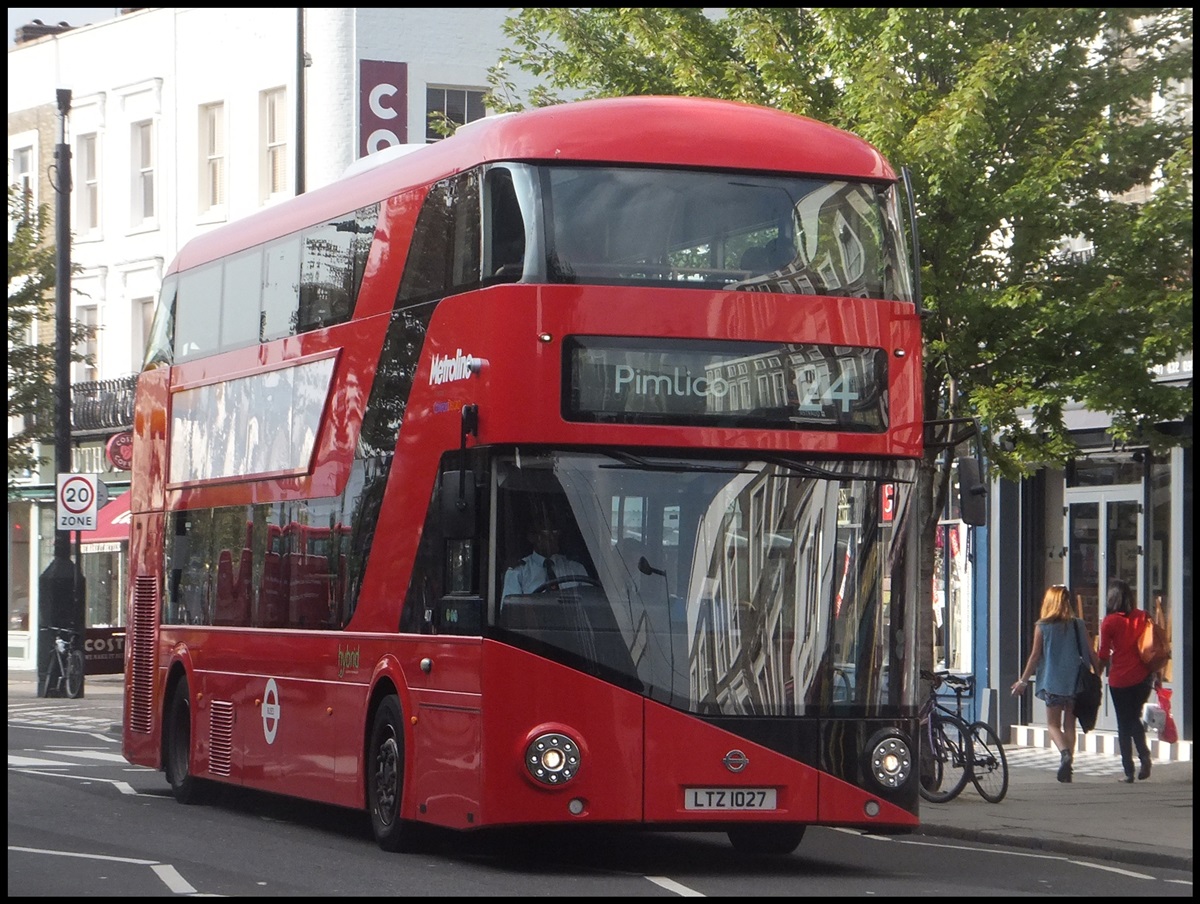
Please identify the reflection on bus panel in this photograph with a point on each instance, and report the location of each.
(666, 379)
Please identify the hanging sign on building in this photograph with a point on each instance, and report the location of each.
(120, 451)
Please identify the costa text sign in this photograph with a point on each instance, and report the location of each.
(382, 105)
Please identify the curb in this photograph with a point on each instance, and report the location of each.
(1140, 857)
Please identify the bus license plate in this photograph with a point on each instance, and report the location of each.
(729, 799)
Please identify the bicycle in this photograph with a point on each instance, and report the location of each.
(66, 659)
(945, 746)
(987, 763)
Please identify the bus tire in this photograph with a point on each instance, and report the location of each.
(177, 750)
(766, 838)
(385, 778)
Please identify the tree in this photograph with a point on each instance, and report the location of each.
(1022, 127)
(31, 362)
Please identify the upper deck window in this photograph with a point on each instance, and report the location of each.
(797, 235)
(301, 282)
(764, 233)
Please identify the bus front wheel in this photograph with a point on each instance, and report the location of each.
(766, 838)
(385, 778)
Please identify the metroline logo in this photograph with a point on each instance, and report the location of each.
(446, 369)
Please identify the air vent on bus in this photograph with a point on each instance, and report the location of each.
(144, 617)
(220, 737)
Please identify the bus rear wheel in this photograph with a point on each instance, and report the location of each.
(766, 838)
(178, 749)
(385, 778)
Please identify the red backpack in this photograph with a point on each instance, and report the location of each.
(1153, 646)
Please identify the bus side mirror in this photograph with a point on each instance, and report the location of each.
(972, 492)
(458, 505)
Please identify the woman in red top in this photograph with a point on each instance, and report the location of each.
(1129, 680)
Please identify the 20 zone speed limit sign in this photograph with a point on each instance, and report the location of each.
(77, 502)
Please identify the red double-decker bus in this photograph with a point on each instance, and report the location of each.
(678, 337)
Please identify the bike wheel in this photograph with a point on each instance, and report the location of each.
(929, 767)
(989, 765)
(53, 676)
(74, 674)
(952, 761)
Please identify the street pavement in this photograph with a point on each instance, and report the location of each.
(1146, 824)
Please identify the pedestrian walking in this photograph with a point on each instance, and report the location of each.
(1058, 639)
(1129, 680)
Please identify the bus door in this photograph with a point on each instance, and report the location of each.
(445, 607)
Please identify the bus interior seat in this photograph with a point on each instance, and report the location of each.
(308, 597)
(780, 253)
(755, 259)
(271, 611)
(223, 610)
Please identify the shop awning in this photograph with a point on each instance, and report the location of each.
(112, 523)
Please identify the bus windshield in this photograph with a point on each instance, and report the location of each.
(720, 587)
(765, 233)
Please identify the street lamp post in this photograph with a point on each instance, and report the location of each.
(60, 587)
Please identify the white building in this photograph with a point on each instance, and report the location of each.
(182, 119)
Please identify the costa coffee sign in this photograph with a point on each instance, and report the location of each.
(120, 451)
(382, 105)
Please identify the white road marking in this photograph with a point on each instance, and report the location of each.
(962, 847)
(167, 873)
(102, 755)
(24, 762)
(123, 787)
(671, 885)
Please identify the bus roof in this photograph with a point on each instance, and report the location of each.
(662, 131)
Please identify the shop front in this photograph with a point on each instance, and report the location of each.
(104, 555)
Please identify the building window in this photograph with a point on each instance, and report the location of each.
(143, 322)
(87, 185)
(457, 105)
(212, 157)
(142, 146)
(22, 173)
(274, 120)
(88, 317)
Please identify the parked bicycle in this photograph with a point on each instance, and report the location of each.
(65, 673)
(954, 751)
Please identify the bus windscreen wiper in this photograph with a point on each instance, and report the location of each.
(809, 470)
(629, 460)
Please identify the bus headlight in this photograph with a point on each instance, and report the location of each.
(552, 758)
(889, 760)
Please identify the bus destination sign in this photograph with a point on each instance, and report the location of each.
(789, 386)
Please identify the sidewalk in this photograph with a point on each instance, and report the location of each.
(1146, 824)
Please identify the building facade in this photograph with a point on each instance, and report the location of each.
(182, 119)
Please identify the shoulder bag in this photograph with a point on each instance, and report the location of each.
(1087, 686)
(1153, 647)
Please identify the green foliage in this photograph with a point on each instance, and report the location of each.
(32, 358)
(1022, 126)
(30, 363)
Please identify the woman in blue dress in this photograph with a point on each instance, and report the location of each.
(1057, 641)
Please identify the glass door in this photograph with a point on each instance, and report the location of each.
(1103, 532)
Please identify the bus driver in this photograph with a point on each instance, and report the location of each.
(544, 565)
